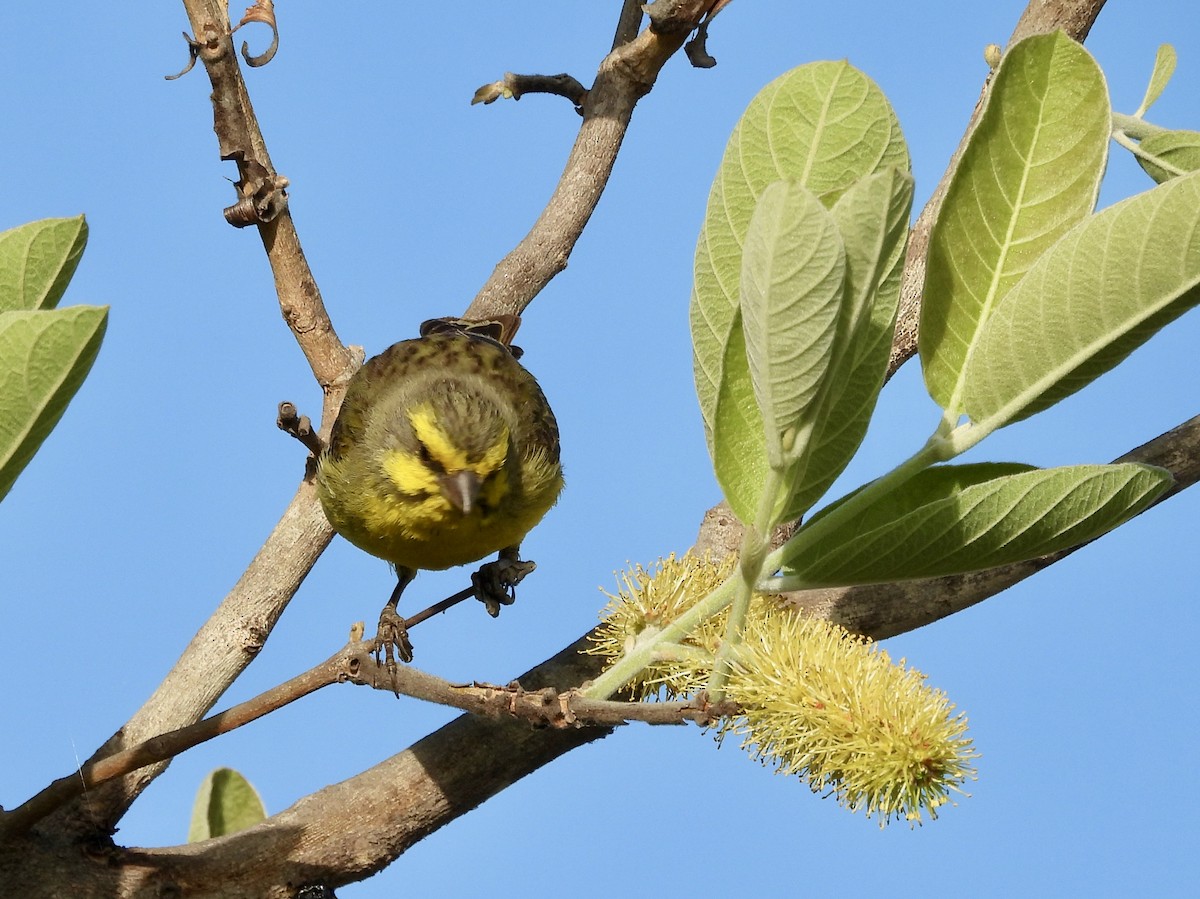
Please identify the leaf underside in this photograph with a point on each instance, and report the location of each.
(824, 125)
(957, 518)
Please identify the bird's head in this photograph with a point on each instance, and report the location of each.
(453, 452)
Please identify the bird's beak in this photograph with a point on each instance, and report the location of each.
(462, 489)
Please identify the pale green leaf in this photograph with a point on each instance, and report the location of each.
(826, 125)
(793, 267)
(958, 518)
(37, 261)
(225, 803)
(1178, 149)
(1164, 68)
(44, 356)
(1030, 171)
(1096, 296)
(873, 218)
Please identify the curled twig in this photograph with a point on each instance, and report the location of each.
(262, 11)
(263, 196)
(193, 55)
(697, 48)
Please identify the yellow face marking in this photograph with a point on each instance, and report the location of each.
(420, 475)
(441, 448)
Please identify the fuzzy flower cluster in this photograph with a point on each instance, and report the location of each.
(816, 701)
(832, 707)
(646, 601)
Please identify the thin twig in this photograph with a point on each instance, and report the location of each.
(515, 86)
(290, 421)
(439, 607)
(355, 663)
(166, 746)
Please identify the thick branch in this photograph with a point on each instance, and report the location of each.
(219, 652)
(629, 23)
(346, 831)
(237, 630)
(884, 610)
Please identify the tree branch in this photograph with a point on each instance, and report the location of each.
(629, 23)
(884, 610)
(219, 652)
(625, 76)
(516, 86)
(337, 835)
(355, 663)
(235, 633)
(352, 829)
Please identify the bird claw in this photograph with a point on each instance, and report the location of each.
(391, 639)
(495, 583)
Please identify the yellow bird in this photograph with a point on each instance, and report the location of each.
(444, 451)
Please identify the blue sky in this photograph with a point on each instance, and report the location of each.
(167, 472)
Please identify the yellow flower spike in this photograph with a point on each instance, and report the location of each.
(831, 707)
(817, 701)
(649, 599)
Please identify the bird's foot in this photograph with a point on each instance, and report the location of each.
(391, 639)
(495, 583)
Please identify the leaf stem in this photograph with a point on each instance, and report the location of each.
(938, 448)
(1134, 126)
(1129, 131)
(642, 653)
(755, 544)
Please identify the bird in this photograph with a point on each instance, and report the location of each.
(444, 451)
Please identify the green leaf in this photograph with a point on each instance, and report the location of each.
(825, 125)
(37, 261)
(1030, 171)
(44, 357)
(956, 518)
(1179, 149)
(1097, 295)
(1164, 68)
(873, 218)
(793, 268)
(225, 803)
(738, 447)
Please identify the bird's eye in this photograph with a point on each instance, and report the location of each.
(427, 458)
